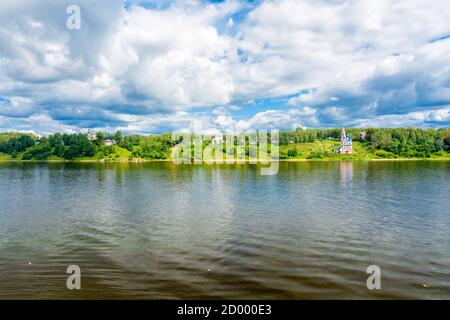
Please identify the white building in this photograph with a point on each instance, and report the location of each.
(109, 142)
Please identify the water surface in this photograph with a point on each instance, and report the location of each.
(158, 230)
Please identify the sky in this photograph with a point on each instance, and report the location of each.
(155, 66)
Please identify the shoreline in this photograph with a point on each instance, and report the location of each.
(224, 162)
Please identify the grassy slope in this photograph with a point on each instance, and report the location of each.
(4, 156)
(361, 151)
(120, 154)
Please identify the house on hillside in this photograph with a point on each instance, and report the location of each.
(108, 142)
(346, 144)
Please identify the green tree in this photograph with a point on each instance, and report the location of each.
(99, 137)
(118, 137)
(292, 153)
(39, 152)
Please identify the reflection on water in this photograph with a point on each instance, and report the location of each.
(345, 173)
(157, 230)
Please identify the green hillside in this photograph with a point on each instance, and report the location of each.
(324, 149)
(299, 144)
(4, 156)
(112, 153)
(115, 154)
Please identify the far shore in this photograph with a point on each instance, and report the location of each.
(234, 162)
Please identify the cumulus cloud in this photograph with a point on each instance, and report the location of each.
(149, 66)
(440, 117)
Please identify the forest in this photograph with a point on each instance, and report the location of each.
(379, 142)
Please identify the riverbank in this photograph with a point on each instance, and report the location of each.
(293, 152)
(206, 162)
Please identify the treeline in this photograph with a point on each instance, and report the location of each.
(410, 142)
(401, 142)
(13, 143)
(66, 146)
(148, 147)
(386, 143)
(75, 146)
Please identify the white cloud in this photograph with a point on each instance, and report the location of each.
(339, 48)
(171, 58)
(418, 118)
(145, 69)
(269, 119)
